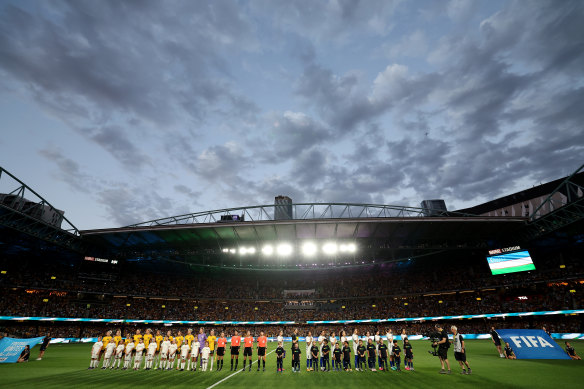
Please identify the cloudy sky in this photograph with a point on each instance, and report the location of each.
(123, 111)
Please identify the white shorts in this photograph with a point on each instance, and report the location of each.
(108, 355)
(184, 355)
(94, 355)
(194, 355)
(164, 355)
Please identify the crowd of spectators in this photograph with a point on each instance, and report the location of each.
(384, 280)
(46, 303)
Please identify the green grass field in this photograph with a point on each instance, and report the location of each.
(65, 366)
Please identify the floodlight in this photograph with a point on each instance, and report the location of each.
(284, 249)
(251, 250)
(242, 251)
(330, 248)
(309, 249)
(232, 251)
(351, 247)
(225, 250)
(268, 250)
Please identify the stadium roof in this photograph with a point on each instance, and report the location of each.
(377, 238)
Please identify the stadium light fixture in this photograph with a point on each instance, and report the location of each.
(268, 250)
(309, 249)
(330, 248)
(251, 250)
(232, 251)
(284, 249)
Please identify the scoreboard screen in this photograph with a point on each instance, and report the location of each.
(511, 262)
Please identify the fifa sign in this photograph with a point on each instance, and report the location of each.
(532, 344)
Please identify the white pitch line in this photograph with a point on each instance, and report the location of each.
(237, 372)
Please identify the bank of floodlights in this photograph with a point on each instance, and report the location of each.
(307, 249)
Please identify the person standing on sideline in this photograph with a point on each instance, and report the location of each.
(460, 350)
(496, 341)
(443, 346)
(44, 345)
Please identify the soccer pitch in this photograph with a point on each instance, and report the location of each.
(65, 366)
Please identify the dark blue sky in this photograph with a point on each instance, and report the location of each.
(124, 111)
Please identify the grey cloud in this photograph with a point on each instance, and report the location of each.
(329, 20)
(69, 170)
(94, 63)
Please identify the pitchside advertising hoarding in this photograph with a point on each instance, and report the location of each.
(532, 344)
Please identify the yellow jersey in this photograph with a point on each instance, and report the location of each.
(212, 339)
(189, 339)
(117, 340)
(179, 340)
(147, 338)
(137, 338)
(158, 339)
(106, 340)
(127, 340)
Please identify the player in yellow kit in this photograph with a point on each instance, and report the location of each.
(147, 337)
(118, 338)
(106, 339)
(179, 340)
(189, 337)
(137, 337)
(212, 339)
(158, 338)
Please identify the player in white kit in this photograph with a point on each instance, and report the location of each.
(333, 342)
(343, 337)
(184, 354)
(164, 347)
(389, 338)
(95, 350)
(377, 338)
(150, 352)
(139, 352)
(195, 346)
(205, 355)
(128, 354)
(119, 354)
(404, 336)
(321, 339)
(308, 346)
(355, 339)
(109, 353)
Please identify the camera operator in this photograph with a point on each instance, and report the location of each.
(443, 346)
(460, 351)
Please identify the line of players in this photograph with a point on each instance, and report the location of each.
(369, 353)
(161, 352)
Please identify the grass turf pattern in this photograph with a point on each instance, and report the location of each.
(65, 366)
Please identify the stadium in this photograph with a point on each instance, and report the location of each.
(289, 269)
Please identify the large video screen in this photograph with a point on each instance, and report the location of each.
(511, 262)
